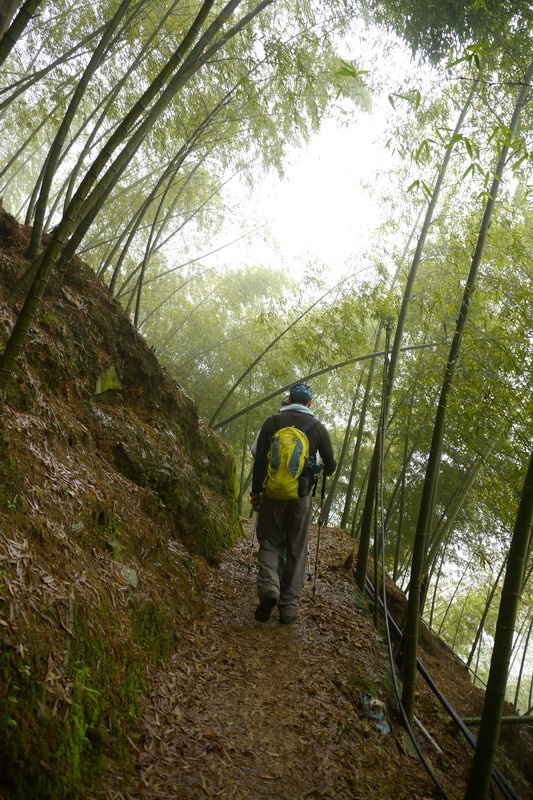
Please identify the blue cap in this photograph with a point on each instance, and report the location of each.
(300, 391)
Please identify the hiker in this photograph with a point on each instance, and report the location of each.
(284, 524)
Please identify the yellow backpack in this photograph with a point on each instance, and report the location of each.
(288, 458)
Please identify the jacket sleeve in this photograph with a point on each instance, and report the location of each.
(325, 449)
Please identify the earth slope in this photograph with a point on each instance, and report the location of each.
(114, 496)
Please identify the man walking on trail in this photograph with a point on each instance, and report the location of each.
(282, 525)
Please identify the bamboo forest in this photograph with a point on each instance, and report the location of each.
(204, 205)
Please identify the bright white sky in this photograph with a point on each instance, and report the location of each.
(321, 210)
(322, 206)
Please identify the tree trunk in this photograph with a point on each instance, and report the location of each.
(376, 465)
(435, 588)
(452, 598)
(476, 668)
(362, 417)
(489, 730)
(366, 519)
(407, 456)
(9, 36)
(516, 644)
(461, 615)
(410, 636)
(401, 514)
(529, 572)
(7, 12)
(153, 239)
(355, 526)
(400, 485)
(243, 459)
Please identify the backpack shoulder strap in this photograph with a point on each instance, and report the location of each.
(308, 425)
(304, 427)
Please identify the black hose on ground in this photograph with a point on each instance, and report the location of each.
(500, 781)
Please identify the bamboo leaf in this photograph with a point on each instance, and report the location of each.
(457, 138)
(350, 71)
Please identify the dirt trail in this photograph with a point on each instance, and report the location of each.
(251, 710)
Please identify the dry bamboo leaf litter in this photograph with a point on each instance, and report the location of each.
(251, 710)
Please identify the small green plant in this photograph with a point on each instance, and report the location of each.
(50, 320)
(360, 684)
(83, 715)
(358, 599)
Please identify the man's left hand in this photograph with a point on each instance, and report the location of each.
(255, 500)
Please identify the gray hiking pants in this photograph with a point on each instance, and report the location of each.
(282, 528)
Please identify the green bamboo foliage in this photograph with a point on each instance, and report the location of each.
(342, 457)
(84, 199)
(445, 525)
(364, 543)
(347, 510)
(263, 353)
(309, 377)
(484, 615)
(25, 83)
(523, 663)
(158, 163)
(107, 104)
(106, 42)
(427, 503)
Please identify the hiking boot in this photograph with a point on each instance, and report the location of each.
(288, 617)
(263, 611)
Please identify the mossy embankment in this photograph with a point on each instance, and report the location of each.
(113, 497)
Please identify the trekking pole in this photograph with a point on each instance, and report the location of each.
(313, 492)
(322, 496)
(254, 531)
